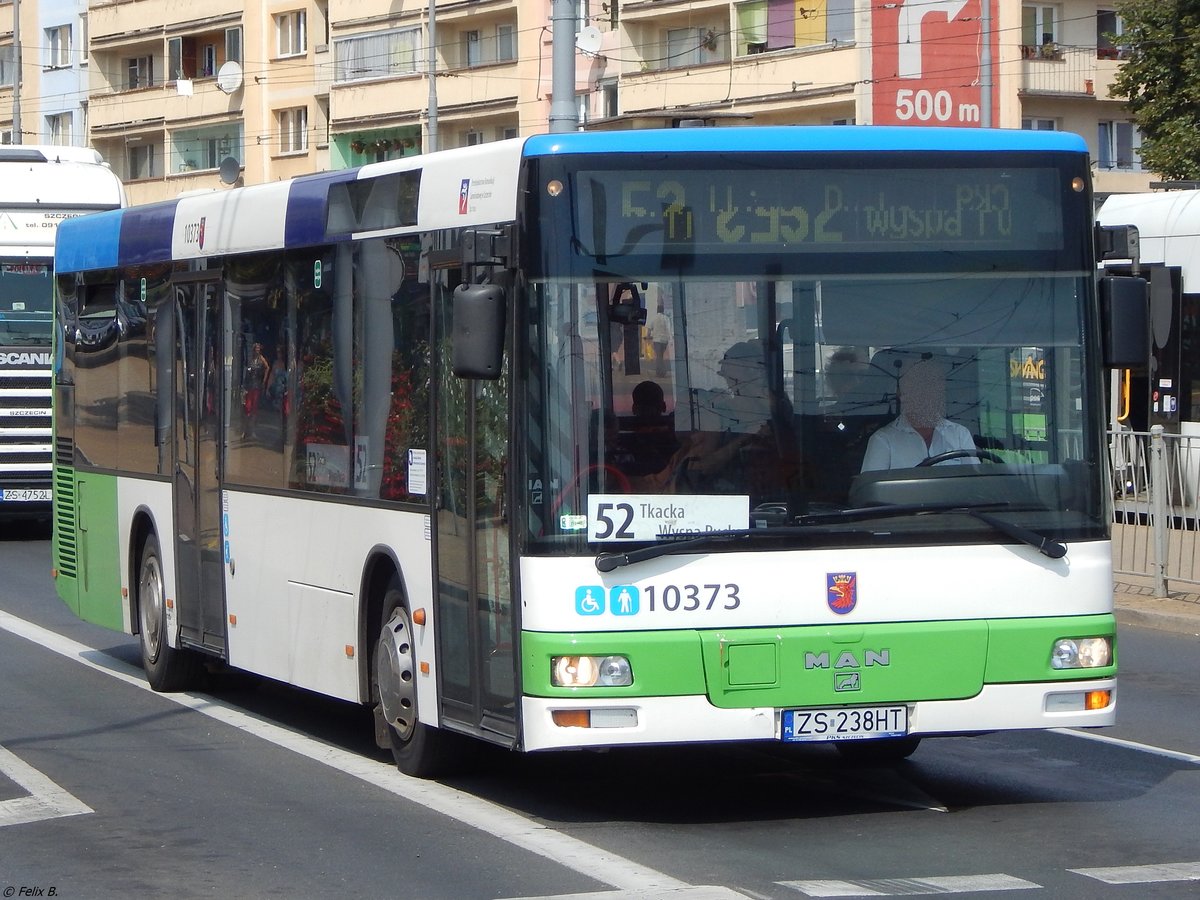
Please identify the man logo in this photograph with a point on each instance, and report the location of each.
(846, 681)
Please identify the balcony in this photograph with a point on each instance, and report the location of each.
(406, 98)
(1058, 69)
(162, 102)
(794, 78)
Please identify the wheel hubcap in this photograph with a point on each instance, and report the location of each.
(150, 606)
(394, 674)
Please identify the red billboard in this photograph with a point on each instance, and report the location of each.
(929, 62)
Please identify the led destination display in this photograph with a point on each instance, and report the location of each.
(820, 211)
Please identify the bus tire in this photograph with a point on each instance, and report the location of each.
(167, 668)
(878, 752)
(420, 750)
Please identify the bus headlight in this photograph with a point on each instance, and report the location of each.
(1082, 653)
(590, 671)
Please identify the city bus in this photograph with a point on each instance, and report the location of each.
(395, 434)
(1164, 387)
(39, 188)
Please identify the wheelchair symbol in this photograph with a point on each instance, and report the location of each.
(589, 600)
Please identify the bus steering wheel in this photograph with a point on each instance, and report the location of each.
(977, 453)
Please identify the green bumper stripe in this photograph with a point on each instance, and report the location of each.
(817, 665)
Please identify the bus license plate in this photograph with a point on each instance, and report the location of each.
(850, 724)
(26, 495)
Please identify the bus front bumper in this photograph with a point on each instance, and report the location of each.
(555, 723)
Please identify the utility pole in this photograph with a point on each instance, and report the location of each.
(16, 106)
(564, 116)
(985, 65)
(431, 121)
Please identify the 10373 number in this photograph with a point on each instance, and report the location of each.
(692, 597)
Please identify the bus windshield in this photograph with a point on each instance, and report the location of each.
(677, 391)
(26, 291)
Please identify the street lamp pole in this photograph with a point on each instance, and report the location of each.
(431, 121)
(16, 105)
(564, 115)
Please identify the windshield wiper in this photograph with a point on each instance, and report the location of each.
(1039, 542)
(607, 562)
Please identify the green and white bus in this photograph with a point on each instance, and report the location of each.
(373, 433)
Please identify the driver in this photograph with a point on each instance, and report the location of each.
(921, 430)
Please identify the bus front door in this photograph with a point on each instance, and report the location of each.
(477, 667)
(199, 588)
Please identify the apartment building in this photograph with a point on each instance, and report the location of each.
(185, 96)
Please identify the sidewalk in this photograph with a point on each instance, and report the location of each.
(1136, 604)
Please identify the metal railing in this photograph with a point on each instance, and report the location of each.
(1156, 486)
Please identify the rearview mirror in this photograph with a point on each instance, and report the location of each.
(479, 317)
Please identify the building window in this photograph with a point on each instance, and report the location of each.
(208, 60)
(7, 65)
(140, 72)
(291, 29)
(205, 148)
(233, 44)
(691, 47)
(377, 55)
(506, 43)
(608, 93)
(1039, 29)
(474, 138)
(472, 52)
(839, 22)
(1119, 147)
(1039, 125)
(764, 25)
(1108, 25)
(141, 161)
(58, 47)
(293, 130)
(58, 129)
(509, 133)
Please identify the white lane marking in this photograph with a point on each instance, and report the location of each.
(594, 862)
(1131, 745)
(1189, 871)
(46, 799)
(704, 892)
(905, 887)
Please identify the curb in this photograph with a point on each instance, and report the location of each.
(1137, 605)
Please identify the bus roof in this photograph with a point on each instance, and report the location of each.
(461, 187)
(835, 138)
(1168, 223)
(68, 177)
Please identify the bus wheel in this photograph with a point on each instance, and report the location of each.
(167, 668)
(420, 750)
(878, 752)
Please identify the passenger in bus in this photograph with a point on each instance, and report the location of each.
(254, 382)
(921, 430)
(737, 448)
(277, 379)
(744, 405)
(649, 435)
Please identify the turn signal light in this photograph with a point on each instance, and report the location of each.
(572, 718)
(1097, 699)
